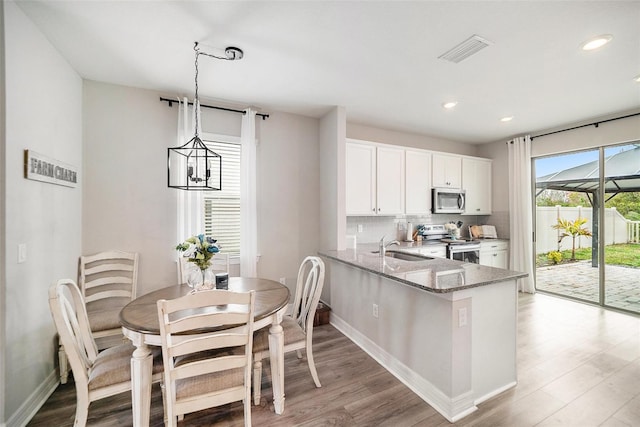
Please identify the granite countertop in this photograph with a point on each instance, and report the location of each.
(439, 275)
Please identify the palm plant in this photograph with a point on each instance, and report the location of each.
(573, 229)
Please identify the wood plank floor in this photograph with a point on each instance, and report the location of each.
(578, 365)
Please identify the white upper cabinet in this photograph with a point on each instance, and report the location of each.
(390, 181)
(374, 179)
(446, 171)
(360, 179)
(417, 182)
(476, 181)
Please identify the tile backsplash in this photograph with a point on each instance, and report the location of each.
(369, 229)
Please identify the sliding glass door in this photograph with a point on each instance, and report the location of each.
(587, 219)
(622, 227)
(564, 217)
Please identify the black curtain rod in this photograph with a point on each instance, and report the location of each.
(171, 101)
(596, 124)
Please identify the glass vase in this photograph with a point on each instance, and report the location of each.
(199, 279)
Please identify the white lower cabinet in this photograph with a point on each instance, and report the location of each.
(494, 253)
(435, 251)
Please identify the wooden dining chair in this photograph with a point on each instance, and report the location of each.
(108, 281)
(96, 374)
(206, 369)
(298, 327)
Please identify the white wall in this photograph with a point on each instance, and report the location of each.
(614, 132)
(44, 114)
(288, 187)
(3, 228)
(500, 186)
(384, 136)
(332, 194)
(332, 163)
(127, 204)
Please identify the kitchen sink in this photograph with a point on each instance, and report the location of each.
(405, 256)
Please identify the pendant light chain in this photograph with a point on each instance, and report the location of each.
(197, 101)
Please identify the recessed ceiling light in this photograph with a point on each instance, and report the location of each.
(637, 78)
(506, 119)
(597, 42)
(449, 105)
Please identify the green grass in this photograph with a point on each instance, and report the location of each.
(623, 254)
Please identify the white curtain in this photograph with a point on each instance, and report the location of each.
(248, 209)
(189, 202)
(520, 211)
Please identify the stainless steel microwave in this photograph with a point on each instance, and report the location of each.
(447, 200)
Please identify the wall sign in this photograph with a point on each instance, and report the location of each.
(42, 168)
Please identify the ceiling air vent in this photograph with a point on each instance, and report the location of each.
(465, 49)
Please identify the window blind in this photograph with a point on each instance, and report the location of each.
(222, 208)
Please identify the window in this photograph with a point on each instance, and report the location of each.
(222, 208)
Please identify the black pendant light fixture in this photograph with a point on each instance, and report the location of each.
(193, 166)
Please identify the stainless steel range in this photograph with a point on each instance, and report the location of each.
(466, 250)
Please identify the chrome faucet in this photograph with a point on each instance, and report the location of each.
(383, 246)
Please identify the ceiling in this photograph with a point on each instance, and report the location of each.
(378, 59)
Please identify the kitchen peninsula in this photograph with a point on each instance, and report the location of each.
(445, 328)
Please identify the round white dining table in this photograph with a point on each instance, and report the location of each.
(139, 320)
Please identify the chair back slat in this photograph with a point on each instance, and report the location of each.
(107, 280)
(218, 364)
(186, 346)
(109, 267)
(210, 320)
(107, 294)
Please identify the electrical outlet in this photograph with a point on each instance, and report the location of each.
(283, 280)
(375, 310)
(22, 253)
(462, 317)
(360, 228)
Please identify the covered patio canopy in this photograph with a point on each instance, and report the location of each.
(621, 175)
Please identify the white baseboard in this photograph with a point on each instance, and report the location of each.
(453, 409)
(495, 392)
(35, 401)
